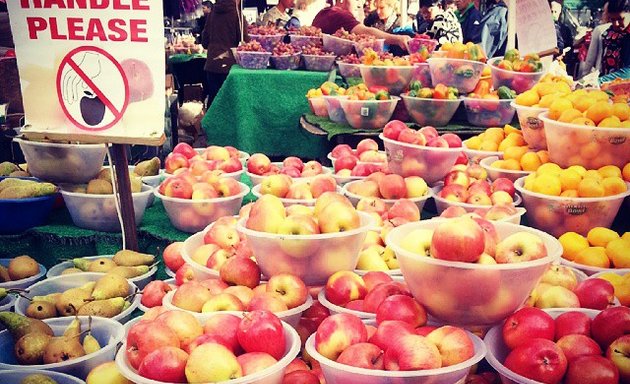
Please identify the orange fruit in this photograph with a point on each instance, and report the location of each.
(613, 186)
(622, 290)
(569, 115)
(488, 145)
(610, 122)
(547, 184)
(599, 95)
(625, 124)
(527, 98)
(507, 129)
(609, 171)
(515, 152)
(590, 187)
(543, 156)
(569, 179)
(590, 150)
(601, 236)
(579, 169)
(473, 143)
(497, 164)
(599, 111)
(530, 161)
(563, 88)
(592, 174)
(546, 100)
(622, 111)
(544, 89)
(626, 172)
(572, 244)
(569, 193)
(495, 134)
(618, 250)
(593, 256)
(583, 103)
(551, 168)
(558, 106)
(583, 121)
(528, 183)
(512, 165)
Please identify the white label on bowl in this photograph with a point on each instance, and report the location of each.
(395, 156)
(365, 111)
(576, 210)
(534, 123)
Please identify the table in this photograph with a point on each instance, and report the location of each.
(259, 111)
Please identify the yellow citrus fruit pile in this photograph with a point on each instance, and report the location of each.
(520, 158)
(496, 139)
(575, 181)
(546, 90)
(591, 108)
(621, 283)
(602, 247)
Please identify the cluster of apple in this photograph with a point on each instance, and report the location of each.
(389, 187)
(559, 288)
(496, 139)
(375, 256)
(570, 349)
(332, 213)
(239, 289)
(495, 213)
(425, 136)
(474, 240)
(214, 158)
(460, 186)
(367, 151)
(576, 181)
(259, 164)
(282, 186)
(376, 292)
(208, 186)
(602, 247)
(172, 256)
(175, 347)
(392, 345)
(521, 158)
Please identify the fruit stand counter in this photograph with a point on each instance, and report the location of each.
(268, 105)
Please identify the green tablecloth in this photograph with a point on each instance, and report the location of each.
(184, 57)
(259, 111)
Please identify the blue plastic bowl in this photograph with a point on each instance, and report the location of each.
(21, 214)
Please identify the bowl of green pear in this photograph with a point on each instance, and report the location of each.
(24, 203)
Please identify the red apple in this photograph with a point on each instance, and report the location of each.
(572, 323)
(214, 286)
(262, 331)
(290, 171)
(393, 128)
(480, 186)
(454, 192)
(178, 188)
(437, 142)
(366, 145)
(525, 324)
(154, 292)
(452, 139)
(519, 247)
(300, 377)
(591, 370)
(268, 301)
(172, 256)
(253, 362)
(379, 293)
(258, 164)
(388, 331)
(346, 162)
(312, 168)
(411, 136)
(146, 336)
(184, 274)
(425, 330)
(296, 364)
(610, 324)
(240, 271)
(225, 327)
(574, 346)
(410, 353)
(222, 235)
(453, 211)
(184, 324)
(538, 359)
(362, 355)
(165, 364)
(429, 132)
(503, 184)
(374, 278)
(185, 149)
(403, 308)
(458, 239)
(338, 332)
(490, 234)
(393, 187)
(341, 150)
(191, 296)
(461, 159)
(293, 161)
(345, 286)
(476, 171)
(205, 338)
(454, 344)
(619, 353)
(595, 293)
(290, 288)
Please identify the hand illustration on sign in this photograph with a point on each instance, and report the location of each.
(75, 88)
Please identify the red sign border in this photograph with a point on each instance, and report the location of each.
(64, 62)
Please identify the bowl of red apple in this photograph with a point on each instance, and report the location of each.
(421, 152)
(260, 166)
(561, 346)
(311, 244)
(462, 190)
(192, 204)
(299, 192)
(350, 351)
(366, 152)
(233, 348)
(389, 189)
(471, 271)
(204, 163)
(495, 173)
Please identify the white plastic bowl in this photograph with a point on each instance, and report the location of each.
(337, 45)
(489, 112)
(517, 81)
(98, 212)
(532, 127)
(354, 199)
(271, 375)
(467, 293)
(394, 78)
(349, 70)
(451, 72)
(16, 376)
(108, 332)
(313, 258)
(194, 215)
(22, 283)
(495, 173)
(475, 155)
(592, 271)
(63, 163)
(288, 202)
(340, 373)
(335, 112)
(441, 204)
(435, 112)
(369, 114)
(558, 215)
(62, 283)
(257, 179)
(139, 281)
(498, 351)
(291, 316)
(430, 163)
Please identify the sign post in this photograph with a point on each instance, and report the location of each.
(92, 71)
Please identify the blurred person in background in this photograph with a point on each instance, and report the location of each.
(616, 39)
(470, 19)
(494, 28)
(385, 17)
(304, 13)
(278, 15)
(444, 26)
(593, 59)
(224, 28)
(200, 23)
(330, 19)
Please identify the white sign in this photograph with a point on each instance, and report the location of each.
(534, 26)
(91, 68)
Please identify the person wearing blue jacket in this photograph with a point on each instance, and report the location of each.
(470, 19)
(494, 28)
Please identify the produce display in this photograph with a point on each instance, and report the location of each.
(14, 189)
(516, 72)
(260, 165)
(421, 42)
(469, 185)
(317, 58)
(360, 162)
(253, 55)
(285, 56)
(384, 71)
(496, 139)
(431, 106)
(306, 30)
(126, 263)
(601, 247)
(214, 161)
(267, 35)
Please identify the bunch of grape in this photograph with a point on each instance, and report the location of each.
(315, 49)
(350, 59)
(264, 30)
(343, 34)
(252, 46)
(284, 49)
(306, 30)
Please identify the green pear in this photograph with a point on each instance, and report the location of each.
(29, 349)
(130, 272)
(148, 167)
(26, 191)
(129, 258)
(41, 310)
(103, 308)
(102, 264)
(63, 348)
(110, 286)
(4, 274)
(90, 344)
(99, 187)
(6, 183)
(6, 168)
(50, 298)
(19, 325)
(71, 271)
(105, 174)
(71, 301)
(81, 263)
(74, 328)
(37, 378)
